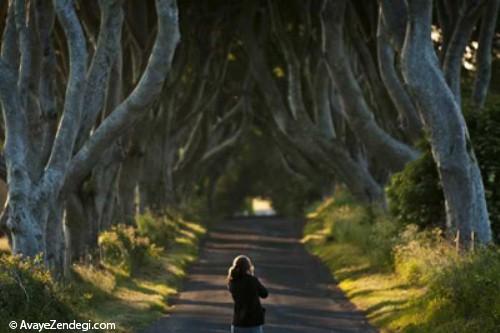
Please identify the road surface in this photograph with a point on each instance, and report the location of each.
(303, 298)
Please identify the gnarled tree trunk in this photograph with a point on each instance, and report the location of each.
(466, 210)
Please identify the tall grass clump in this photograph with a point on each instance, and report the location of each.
(420, 255)
(431, 286)
(161, 230)
(123, 247)
(141, 266)
(347, 222)
(27, 291)
(464, 297)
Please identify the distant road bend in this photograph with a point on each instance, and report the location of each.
(303, 297)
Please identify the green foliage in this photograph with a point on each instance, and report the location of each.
(465, 296)
(372, 233)
(108, 292)
(430, 288)
(28, 292)
(256, 170)
(123, 246)
(418, 255)
(415, 195)
(161, 230)
(135, 300)
(484, 127)
(290, 198)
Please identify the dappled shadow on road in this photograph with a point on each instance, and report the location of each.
(303, 297)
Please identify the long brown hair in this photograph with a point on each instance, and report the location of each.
(241, 265)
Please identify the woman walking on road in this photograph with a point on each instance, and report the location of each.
(246, 289)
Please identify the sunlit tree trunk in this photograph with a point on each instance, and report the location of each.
(466, 210)
(39, 185)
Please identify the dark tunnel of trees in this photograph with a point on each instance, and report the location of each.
(116, 107)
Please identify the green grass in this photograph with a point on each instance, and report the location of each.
(385, 298)
(404, 279)
(131, 296)
(133, 301)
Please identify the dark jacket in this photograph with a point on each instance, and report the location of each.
(246, 291)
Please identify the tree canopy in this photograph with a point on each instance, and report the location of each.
(112, 107)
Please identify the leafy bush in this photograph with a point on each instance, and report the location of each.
(122, 246)
(159, 229)
(349, 223)
(28, 292)
(465, 297)
(415, 195)
(431, 288)
(484, 127)
(420, 254)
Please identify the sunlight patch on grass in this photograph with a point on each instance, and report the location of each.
(4, 245)
(133, 301)
(387, 301)
(315, 211)
(103, 280)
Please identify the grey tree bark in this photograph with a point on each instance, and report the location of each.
(389, 151)
(484, 53)
(36, 195)
(408, 115)
(462, 31)
(300, 130)
(466, 210)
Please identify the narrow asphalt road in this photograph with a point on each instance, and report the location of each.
(303, 298)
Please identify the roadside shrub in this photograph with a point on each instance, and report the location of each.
(382, 239)
(419, 255)
(465, 296)
(373, 233)
(415, 195)
(449, 292)
(159, 229)
(484, 127)
(28, 292)
(122, 246)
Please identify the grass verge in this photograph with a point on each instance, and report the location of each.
(134, 300)
(404, 279)
(374, 288)
(130, 286)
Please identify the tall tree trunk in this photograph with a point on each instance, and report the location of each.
(54, 242)
(129, 178)
(389, 151)
(466, 210)
(105, 179)
(452, 64)
(90, 210)
(26, 223)
(484, 52)
(151, 180)
(408, 115)
(76, 229)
